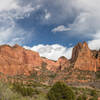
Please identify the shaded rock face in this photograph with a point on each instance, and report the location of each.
(76, 51)
(96, 55)
(61, 64)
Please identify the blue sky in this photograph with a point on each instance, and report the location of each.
(50, 27)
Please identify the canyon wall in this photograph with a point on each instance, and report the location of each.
(15, 60)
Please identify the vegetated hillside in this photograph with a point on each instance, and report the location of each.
(36, 91)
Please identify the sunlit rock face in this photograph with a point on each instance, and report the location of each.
(85, 59)
(16, 60)
(60, 64)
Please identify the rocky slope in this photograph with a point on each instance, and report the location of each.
(17, 61)
(84, 58)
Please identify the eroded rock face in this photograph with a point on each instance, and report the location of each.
(17, 60)
(63, 63)
(76, 51)
(50, 65)
(96, 55)
(85, 60)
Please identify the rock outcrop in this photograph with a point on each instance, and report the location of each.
(54, 66)
(85, 60)
(19, 61)
(63, 63)
(76, 51)
(96, 55)
(16, 60)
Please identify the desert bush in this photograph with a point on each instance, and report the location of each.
(6, 93)
(98, 74)
(82, 97)
(60, 91)
(93, 93)
(79, 98)
(24, 90)
(93, 98)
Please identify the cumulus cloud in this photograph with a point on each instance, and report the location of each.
(10, 11)
(95, 42)
(86, 20)
(47, 15)
(81, 16)
(6, 5)
(61, 28)
(8, 35)
(52, 51)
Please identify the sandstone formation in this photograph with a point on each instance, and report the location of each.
(63, 63)
(84, 58)
(96, 55)
(76, 51)
(18, 61)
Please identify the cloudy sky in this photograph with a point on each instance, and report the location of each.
(50, 27)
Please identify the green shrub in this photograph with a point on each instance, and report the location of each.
(60, 91)
(83, 97)
(52, 75)
(80, 98)
(24, 90)
(98, 74)
(6, 93)
(94, 98)
(93, 93)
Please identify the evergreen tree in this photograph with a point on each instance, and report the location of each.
(60, 91)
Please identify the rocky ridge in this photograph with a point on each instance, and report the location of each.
(17, 60)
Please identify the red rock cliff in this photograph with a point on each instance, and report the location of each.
(84, 59)
(17, 60)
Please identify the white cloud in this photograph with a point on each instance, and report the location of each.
(87, 21)
(47, 14)
(94, 44)
(52, 51)
(84, 13)
(8, 35)
(61, 28)
(6, 5)
(10, 11)
(81, 16)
